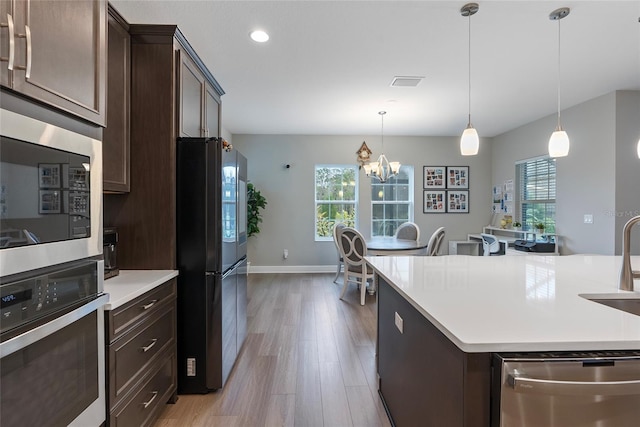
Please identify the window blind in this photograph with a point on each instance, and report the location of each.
(537, 192)
(538, 180)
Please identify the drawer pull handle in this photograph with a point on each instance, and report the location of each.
(147, 348)
(148, 402)
(148, 306)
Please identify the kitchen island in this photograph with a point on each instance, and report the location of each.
(440, 320)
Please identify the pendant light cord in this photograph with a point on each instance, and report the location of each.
(559, 73)
(469, 59)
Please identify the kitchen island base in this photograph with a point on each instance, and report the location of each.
(424, 378)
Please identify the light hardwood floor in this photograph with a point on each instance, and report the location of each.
(308, 360)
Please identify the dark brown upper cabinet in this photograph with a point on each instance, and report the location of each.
(59, 54)
(115, 142)
(199, 102)
(173, 94)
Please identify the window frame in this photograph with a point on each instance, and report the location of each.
(318, 202)
(537, 165)
(409, 203)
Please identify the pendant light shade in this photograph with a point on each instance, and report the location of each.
(469, 141)
(559, 140)
(559, 143)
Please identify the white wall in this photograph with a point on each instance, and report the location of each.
(599, 177)
(627, 165)
(288, 221)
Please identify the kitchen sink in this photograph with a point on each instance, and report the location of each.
(630, 305)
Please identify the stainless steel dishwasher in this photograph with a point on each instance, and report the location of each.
(567, 389)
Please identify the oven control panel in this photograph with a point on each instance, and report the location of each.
(28, 299)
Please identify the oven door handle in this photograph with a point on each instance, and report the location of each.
(573, 388)
(23, 340)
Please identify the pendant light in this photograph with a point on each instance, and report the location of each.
(559, 141)
(469, 141)
(382, 169)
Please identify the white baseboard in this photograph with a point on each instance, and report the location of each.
(292, 269)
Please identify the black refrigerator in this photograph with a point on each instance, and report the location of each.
(212, 259)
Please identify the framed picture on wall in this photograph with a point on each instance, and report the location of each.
(434, 201)
(434, 177)
(458, 177)
(458, 201)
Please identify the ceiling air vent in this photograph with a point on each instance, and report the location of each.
(405, 81)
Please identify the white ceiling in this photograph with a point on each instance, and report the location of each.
(328, 65)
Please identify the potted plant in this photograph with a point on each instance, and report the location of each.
(255, 202)
(517, 225)
(539, 227)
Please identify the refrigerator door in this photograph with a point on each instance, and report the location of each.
(197, 331)
(210, 374)
(242, 304)
(242, 207)
(229, 210)
(228, 322)
(199, 216)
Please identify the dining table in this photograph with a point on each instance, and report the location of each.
(391, 246)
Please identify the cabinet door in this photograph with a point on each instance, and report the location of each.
(191, 103)
(5, 11)
(115, 142)
(65, 55)
(212, 111)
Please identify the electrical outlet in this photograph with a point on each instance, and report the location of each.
(285, 254)
(399, 323)
(588, 219)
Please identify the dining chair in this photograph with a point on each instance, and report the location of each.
(490, 245)
(336, 228)
(408, 231)
(435, 241)
(353, 249)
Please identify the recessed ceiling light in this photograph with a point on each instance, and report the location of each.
(259, 36)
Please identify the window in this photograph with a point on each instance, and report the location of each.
(392, 202)
(336, 198)
(537, 187)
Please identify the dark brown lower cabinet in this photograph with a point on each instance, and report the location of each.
(425, 379)
(141, 357)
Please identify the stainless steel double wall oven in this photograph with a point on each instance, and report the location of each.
(51, 278)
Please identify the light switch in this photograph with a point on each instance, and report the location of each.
(588, 219)
(399, 323)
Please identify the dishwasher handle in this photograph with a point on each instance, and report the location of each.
(526, 385)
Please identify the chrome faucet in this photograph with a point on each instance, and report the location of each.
(627, 274)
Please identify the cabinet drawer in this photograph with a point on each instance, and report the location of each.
(142, 408)
(129, 314)
(132, 354)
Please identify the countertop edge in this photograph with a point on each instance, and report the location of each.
(494, 347)
(130, 284)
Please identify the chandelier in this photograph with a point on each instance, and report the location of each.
(383, 169)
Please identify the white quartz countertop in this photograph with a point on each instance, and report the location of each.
(523, 303)
(130, 284)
